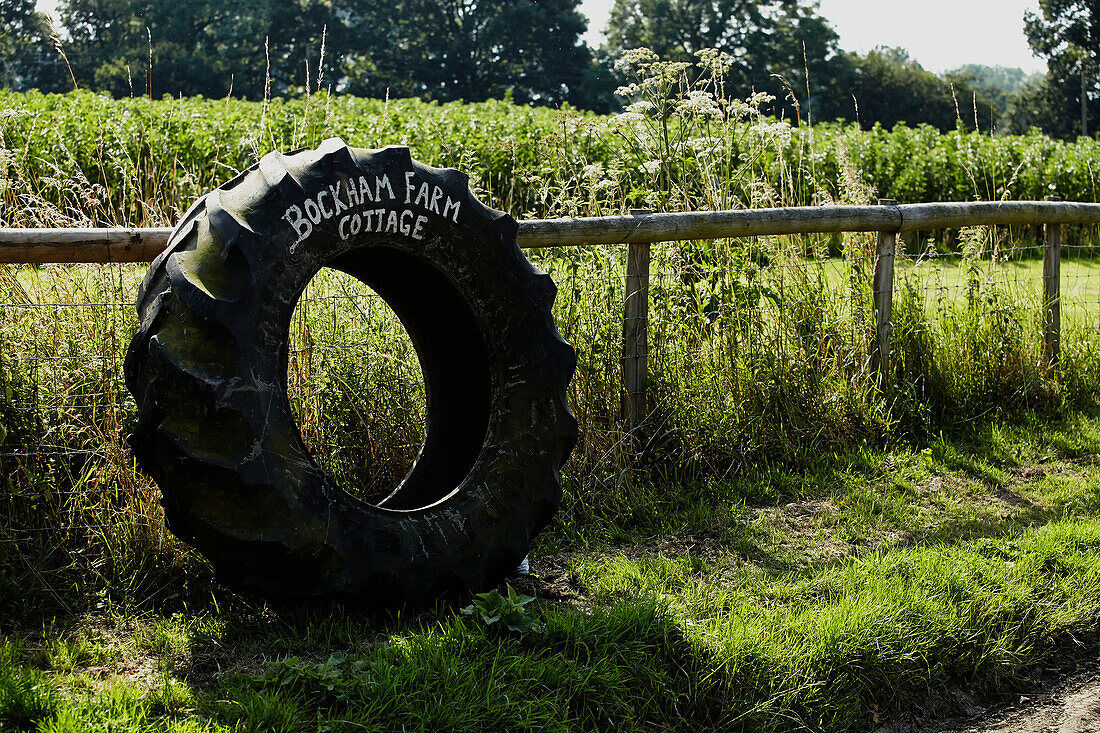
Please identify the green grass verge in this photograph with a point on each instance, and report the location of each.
(674, 642)
(823, 599)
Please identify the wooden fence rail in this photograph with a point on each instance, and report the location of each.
(142, 245)
(641, 228)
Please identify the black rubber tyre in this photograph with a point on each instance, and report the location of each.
(208, 365)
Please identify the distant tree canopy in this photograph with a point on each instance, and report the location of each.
(998, 84)
(677, 29)
(436, 49)
(197, 47)
(27, 55)
(886, 86)
(776, 45)
(531, 51)
(1067, 34)
(784, 47)
(467, 49)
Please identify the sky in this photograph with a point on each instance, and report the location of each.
(940, 34)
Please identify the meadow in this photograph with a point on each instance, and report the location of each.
(786, 547)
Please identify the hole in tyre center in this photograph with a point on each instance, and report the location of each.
(387, 462)
(354, 385)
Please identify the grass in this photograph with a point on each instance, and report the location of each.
(854, 592)
(346, 341)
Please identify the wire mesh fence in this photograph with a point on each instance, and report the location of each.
(755, 347)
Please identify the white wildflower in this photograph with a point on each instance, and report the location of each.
(705, 145)
(749, 107)
(700, 104)
(574, 123)
(715, 61)
(759, 99)
(741, 111)
(774, 132)
(593, 171)
(627, 119)
(636, 57)
(665, 73)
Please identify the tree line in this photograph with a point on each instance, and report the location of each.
(532, 52)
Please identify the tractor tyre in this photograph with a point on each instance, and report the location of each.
(208, 371)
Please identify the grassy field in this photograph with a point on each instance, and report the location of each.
(790, 548)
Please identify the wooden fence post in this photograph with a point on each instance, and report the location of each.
(882, 293)
(635, 356)
(1052, 299)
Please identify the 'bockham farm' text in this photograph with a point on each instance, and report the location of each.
(369, 206)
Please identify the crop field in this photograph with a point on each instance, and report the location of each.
(82, 159)
(782, 547)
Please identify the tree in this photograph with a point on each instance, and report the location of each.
(193, 47)
(1043, 105)
(783, 47)
(1067, 34)
(886, 86)
(27, 55)
(472, 50)
(438, 49)
(997, 83)
(677, 29)
(805, 54)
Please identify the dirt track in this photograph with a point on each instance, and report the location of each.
(1074, 709)
(1069, 706)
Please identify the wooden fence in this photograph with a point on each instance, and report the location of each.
(640, 229)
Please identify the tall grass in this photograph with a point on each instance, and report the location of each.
(355, 385)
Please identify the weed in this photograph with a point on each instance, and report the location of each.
(509, 609)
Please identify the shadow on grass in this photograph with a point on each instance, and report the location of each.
(642, 511)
